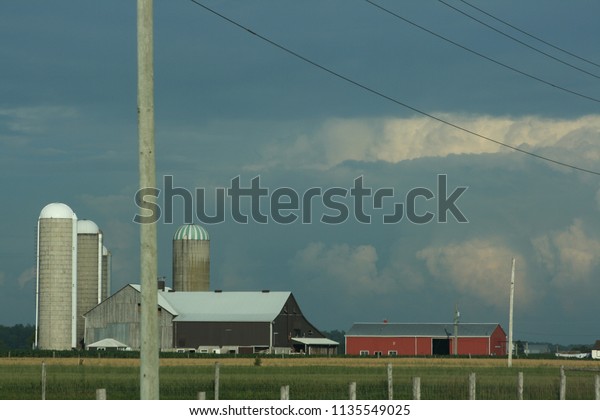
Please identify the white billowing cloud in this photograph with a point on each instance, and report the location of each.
(398, 139)
(26, 277)
(29, 120)
(569, 256)
(477, 268)
(354, 269)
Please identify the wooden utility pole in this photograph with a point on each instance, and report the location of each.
(510, 314)
(149, 384)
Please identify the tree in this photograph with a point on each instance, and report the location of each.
(340, 337)
(16, 337)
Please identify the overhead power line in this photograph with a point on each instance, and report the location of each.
(531, 47)
(506, 66)
(387, 97)
(531, 35)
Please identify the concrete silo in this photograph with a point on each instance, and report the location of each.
(56, 278)
(89, 271)
(106, 268)
(191, 259)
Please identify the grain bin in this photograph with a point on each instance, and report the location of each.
(191, 259)
(56, 278)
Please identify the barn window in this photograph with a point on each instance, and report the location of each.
(377, 353)
(392, 353)
(364, 352)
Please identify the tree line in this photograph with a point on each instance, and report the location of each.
(17, 337)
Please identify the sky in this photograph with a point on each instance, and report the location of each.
(327, 93)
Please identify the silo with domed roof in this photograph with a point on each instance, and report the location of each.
(56, 278)
(89, 270)
(191, 259)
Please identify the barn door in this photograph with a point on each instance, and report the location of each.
(440, 346)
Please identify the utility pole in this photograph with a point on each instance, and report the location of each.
(510, 314)
(147, 166)
(456, 317)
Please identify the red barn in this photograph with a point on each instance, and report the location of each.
(400, 339)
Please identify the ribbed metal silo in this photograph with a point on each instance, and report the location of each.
(191, 259)
(106, 268)
(89, 271)
(56, 278)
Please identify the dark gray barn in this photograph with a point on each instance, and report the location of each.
(212, 322)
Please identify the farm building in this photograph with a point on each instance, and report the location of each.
(401, 339)
(211, 322)
(536, 348)
(107, 344)
(596, 350)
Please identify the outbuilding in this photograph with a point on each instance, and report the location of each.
(596, 350)
(211, 322)
(414, 339)
(108, 344)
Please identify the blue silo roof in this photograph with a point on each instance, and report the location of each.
(191, 232)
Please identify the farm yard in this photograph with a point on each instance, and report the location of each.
(308, 378)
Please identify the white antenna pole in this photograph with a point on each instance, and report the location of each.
(510, 314)
(456, 316)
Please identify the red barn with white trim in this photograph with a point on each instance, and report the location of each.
(402, 339)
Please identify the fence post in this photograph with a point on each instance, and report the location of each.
(352, 390)
(390, 382)
(217, 374)
(472, 386)
(563, 384)
(416, 385)
(520, 386)
(43, 380)
(101, 394)
(285, 392)
(202, 395)
(597, 387)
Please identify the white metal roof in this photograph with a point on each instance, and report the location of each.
(87, 227)
(107, 343)
(226, 306)
(315, 341)
(57, 211)
(222, 306)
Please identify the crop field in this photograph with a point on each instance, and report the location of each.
(308, 378)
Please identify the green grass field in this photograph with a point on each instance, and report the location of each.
(317, 379)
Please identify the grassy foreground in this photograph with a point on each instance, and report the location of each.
(308, 378)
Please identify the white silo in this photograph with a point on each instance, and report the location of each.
(89, 271)
(106, 268)
(56, 278)
(191, 259)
